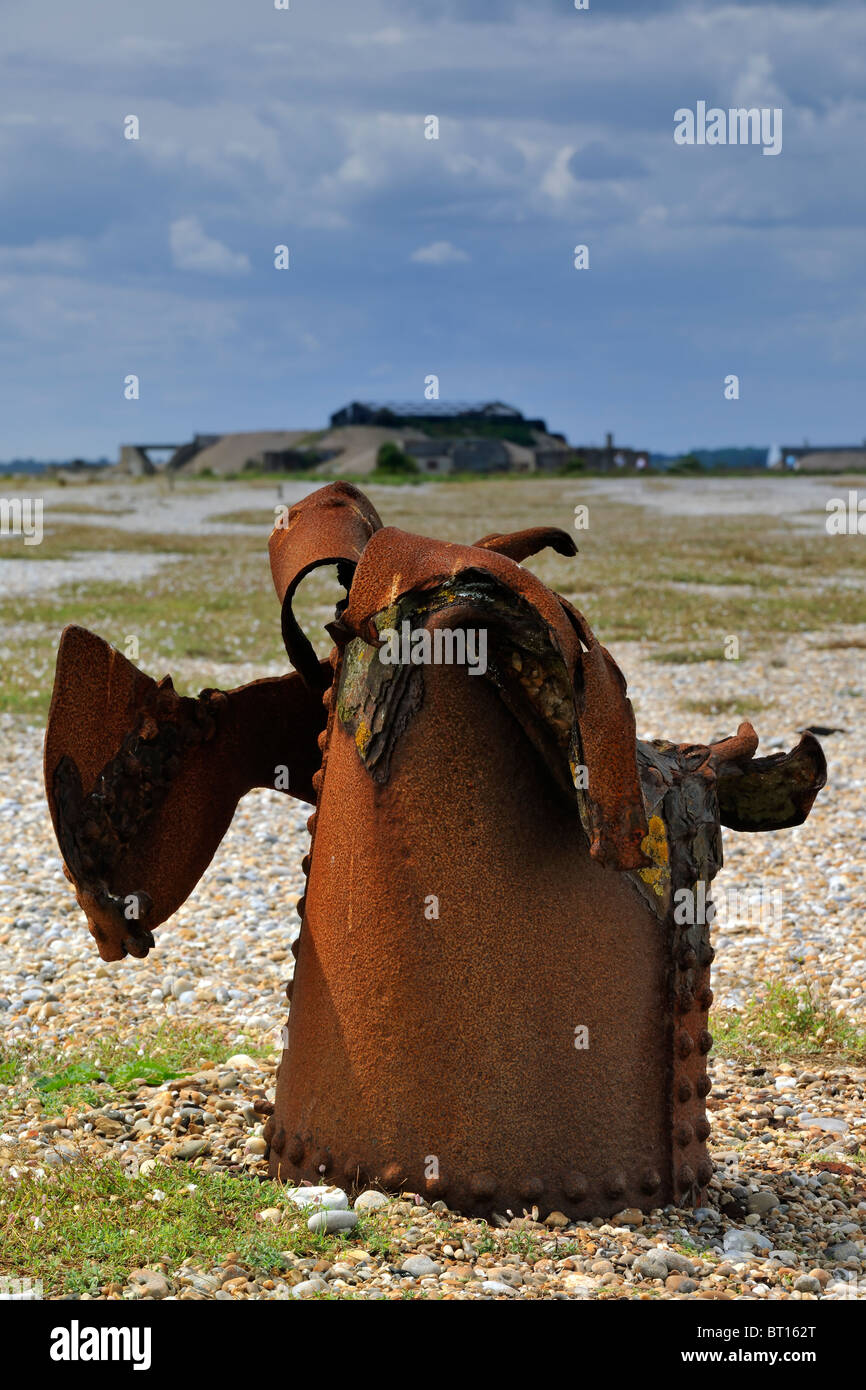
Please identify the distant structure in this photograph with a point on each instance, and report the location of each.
(821, 458)
(461, 437)
(608, 457)
(395, 413)
(135, 458)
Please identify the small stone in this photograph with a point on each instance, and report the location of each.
(149, 1284)
(807, 1284)
(333, 1221)
(828, 1123)
(309, 1288)
(420, 1266)
(256, 1145)
(241, 1062)
(761, 1202)
(630, 1217)
(191, 1148)
(495, 1286)
(651, 1266)
(556, 1220)
(738, 1240)
(270, 1215)
(328, 1198)
(370, 1200)
(844, 1250)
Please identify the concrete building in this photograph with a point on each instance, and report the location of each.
(821, 458)
(392, 413)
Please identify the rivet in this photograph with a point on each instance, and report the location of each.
(685, 999)
(702, 1129)
(684, 1091)
(311, 822)
(295, 1153)
(685, 1045)
(684, 1134)
(290, 984)
(322, 1162)
(575, 1186)
(688, 958)
(686, 1176)
(705, 1040)
(305, 864)
(704, 1086)
(482, 1184)
(650, 1182)
(706, 998)
(279, 1140)
(708, 955)
(614, 1183)
(705, 1172)
(530, 1188)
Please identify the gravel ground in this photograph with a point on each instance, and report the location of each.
(787, 1213)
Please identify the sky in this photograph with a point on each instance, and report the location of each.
(411, 257)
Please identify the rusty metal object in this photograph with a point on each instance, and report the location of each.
(496, 998)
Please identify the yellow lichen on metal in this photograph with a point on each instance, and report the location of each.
(655, 844)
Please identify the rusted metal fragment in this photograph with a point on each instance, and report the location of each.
(447, 1058)
(614, 805)
(376, 703)
(772, 793)
(482, 1010)
(330, 527)
(396, 563)
(519, 545)
(142, 783)
(376, 699)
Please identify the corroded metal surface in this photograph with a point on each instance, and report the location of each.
(497, 999)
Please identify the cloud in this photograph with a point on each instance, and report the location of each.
(193, 249)
(439, 253)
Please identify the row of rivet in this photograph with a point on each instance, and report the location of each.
(574, 1186)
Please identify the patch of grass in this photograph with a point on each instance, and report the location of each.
(90, 1224)
(786, 1022)
(720, 706)
(687, 656)
(106, 1068)
(260, 516)
(703, 577)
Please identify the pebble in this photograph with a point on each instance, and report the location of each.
(329, 1198)
(308, 1288)
(332, 1221)
(149, 1284)
(192, 1148)
(420, 1266)
(370, 1200)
